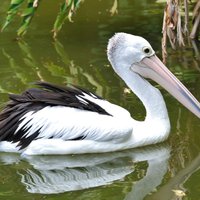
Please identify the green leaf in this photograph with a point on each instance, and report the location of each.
(12, 10)
(27, 15)
(67, 9)
(61, 17)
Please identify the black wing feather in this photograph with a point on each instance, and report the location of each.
(35, 99)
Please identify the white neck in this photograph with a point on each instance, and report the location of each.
(156, 126)
(149, 95)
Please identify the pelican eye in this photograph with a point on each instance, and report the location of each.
(147, 50)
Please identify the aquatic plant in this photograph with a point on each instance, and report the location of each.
(175, 12)
(176, 23)
(67, 9)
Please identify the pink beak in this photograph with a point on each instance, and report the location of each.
(154, 69)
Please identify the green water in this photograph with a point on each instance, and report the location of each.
(79, 57)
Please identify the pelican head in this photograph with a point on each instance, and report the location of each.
(129, 54)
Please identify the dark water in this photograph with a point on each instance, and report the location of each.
(79, 57)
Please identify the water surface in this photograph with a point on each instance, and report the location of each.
(78, 57)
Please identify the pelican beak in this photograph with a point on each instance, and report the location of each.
(153, 68)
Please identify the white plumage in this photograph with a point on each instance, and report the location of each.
(58, 120)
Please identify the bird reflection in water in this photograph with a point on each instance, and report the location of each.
(58, 174)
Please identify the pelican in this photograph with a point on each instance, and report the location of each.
(52, 119)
